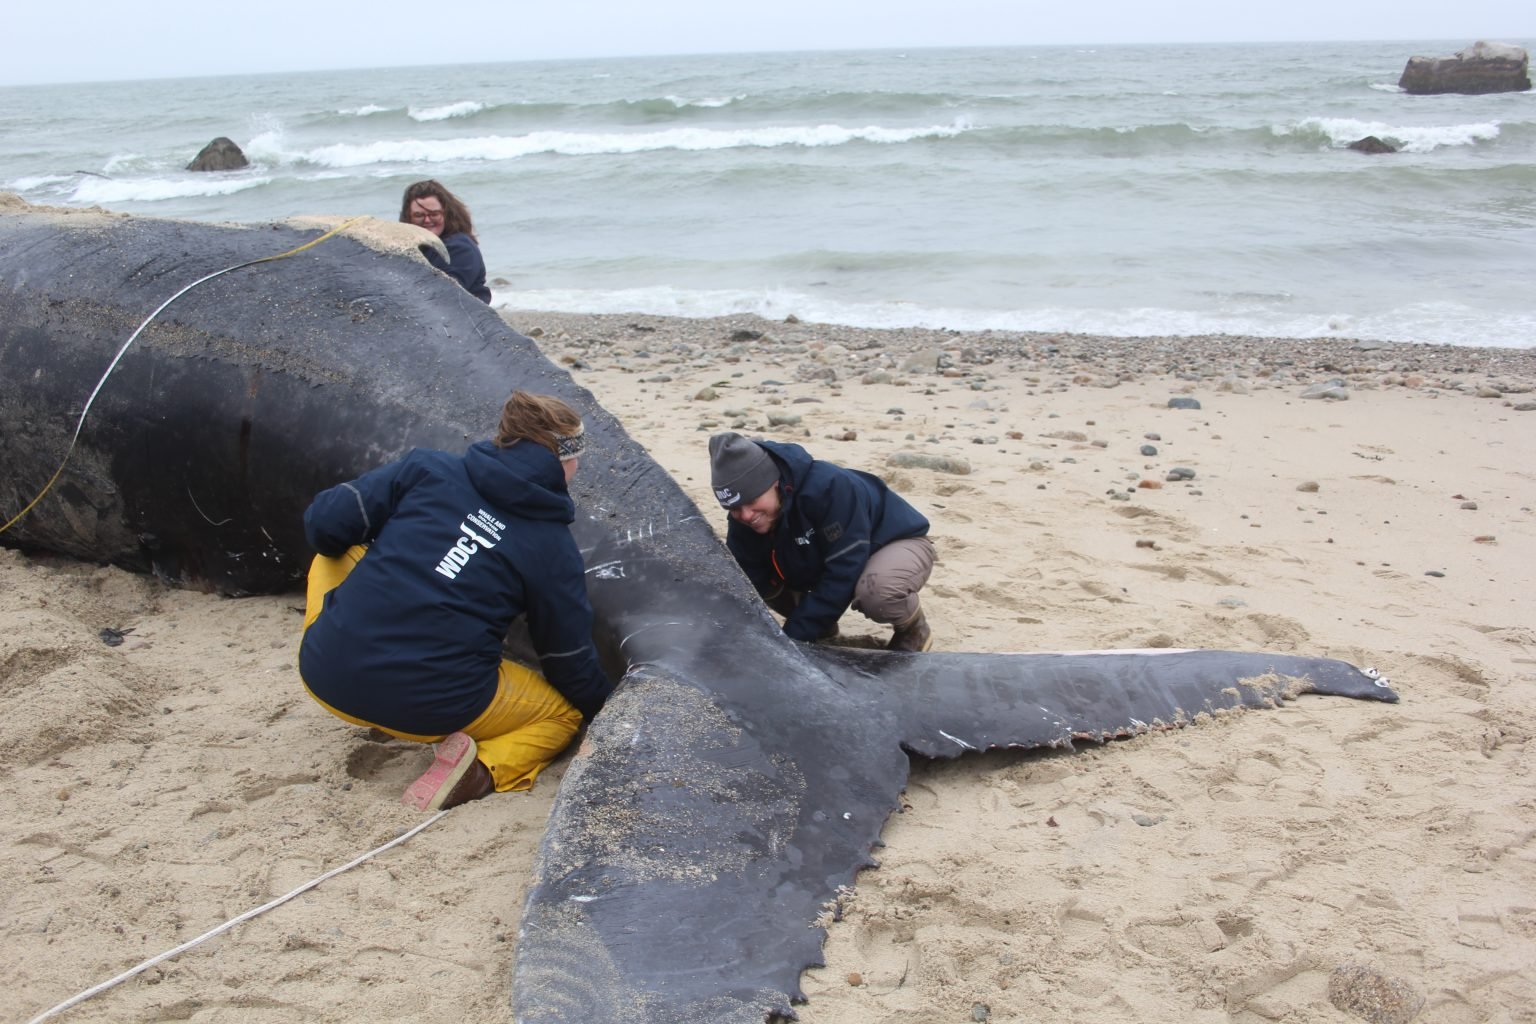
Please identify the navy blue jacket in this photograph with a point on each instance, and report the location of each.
(458, 548)
(832, 519)
(465, 264)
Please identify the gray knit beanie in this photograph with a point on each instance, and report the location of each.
(739, 470)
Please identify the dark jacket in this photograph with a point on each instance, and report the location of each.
(465, 264)
(832, 519)
(458, 548)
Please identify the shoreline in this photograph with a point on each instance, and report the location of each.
(1452, 367)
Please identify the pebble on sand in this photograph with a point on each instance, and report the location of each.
(1371, 995)
(937, 463)
(1333, 390)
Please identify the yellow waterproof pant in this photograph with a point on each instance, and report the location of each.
(523, 729)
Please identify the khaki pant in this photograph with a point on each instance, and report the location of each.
(523, 729)
(888, 586)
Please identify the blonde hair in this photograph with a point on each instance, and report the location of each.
(542, 419)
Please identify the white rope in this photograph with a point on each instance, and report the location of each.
(227, 925)
(80, 425)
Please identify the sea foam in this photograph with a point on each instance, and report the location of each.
(1341, 131)
(150, 190)
(511, 147)
(465, 108)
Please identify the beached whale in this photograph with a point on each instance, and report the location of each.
(736, 781)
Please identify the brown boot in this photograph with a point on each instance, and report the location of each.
(456, 777)
(476, 783)
(912, 635)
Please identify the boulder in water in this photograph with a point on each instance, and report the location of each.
(219, 155)
(1480, 68)
(1371, 144)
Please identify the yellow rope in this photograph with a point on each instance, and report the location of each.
(134, 336)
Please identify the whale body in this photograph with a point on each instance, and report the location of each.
(735, 783)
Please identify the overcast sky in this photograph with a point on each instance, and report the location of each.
(95, 40)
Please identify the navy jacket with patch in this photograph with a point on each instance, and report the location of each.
(465, 264)
(458, 547)
(831, 521)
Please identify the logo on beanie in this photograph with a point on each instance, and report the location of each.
(727, 497)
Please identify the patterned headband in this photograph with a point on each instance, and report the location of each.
(572, 446)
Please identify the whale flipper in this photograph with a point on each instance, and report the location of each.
(697, 840)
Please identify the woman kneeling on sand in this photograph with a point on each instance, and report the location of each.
(423, 564)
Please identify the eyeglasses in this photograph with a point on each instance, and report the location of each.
(426, 214)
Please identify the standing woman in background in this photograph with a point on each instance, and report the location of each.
(429, 205)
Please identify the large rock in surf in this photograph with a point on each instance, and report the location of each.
(219, 155)
(1371, 144)
(1480, 68)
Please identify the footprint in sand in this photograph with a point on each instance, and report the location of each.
(267, 787)
(1235, 923)
(1172, 572)
(998, 596)
(1519, 636)
(373, 758)
(1271, 632)
(1180, 938)
(1219, 578)
(1472, 684)
(1159, 523)
(1080, 922)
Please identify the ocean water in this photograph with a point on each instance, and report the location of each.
(1127, 190)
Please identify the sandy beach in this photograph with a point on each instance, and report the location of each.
(1328, 861)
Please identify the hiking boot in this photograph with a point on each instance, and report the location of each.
(456, 777)
(912, 635)
(476, 783)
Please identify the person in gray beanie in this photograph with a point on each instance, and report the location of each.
(816, 538)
